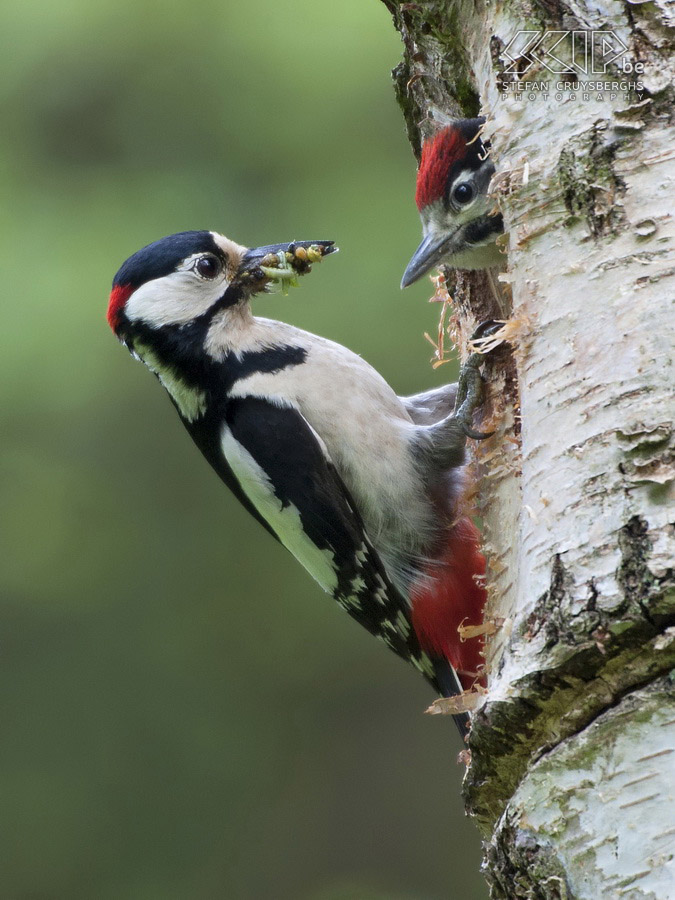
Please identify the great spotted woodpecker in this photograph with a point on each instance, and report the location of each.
(458, 227)
(364, 488)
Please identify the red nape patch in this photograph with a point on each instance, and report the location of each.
(449, 598)
(438, 154)
(118, 297)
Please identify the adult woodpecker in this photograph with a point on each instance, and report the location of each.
(459, 229)
(364, 488)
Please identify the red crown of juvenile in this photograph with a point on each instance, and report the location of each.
(438, 154)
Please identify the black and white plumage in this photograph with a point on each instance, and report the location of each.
(360, 485)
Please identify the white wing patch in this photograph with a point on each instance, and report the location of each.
(285, 521)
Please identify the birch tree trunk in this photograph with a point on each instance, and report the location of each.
(572, 767)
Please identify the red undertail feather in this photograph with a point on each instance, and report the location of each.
(450, 597)
(438, 154)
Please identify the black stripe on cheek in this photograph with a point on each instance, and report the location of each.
(484, 230)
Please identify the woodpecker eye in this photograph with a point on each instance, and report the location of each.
(207, 266)
(463, 193)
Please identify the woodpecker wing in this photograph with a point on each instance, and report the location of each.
(284, 469)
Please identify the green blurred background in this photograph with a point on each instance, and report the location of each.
(184, 714)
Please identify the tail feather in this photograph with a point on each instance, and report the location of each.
(449, 685)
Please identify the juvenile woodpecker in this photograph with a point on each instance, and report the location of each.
(458, 227)
(363, 487)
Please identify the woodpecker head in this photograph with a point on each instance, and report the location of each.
(187, 277)
(452, 183)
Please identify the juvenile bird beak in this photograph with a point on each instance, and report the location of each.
(429, 253)
(281, 264)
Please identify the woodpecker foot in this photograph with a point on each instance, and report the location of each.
(469, 396)
(470, 387)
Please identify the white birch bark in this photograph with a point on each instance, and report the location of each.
(573, 751)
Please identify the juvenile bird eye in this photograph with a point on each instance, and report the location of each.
(463, 193)
(207, 266)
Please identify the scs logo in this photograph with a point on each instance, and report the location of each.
(560, 52)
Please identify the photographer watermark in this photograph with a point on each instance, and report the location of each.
(572, 54)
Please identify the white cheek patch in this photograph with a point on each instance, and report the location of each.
(174, 299)
(285, 521)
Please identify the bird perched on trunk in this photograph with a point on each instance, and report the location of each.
(459, 229)
(364, 488)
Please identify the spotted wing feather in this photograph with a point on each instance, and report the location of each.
(284, 470)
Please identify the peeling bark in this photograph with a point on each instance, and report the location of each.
(591, 819)
(571, 748)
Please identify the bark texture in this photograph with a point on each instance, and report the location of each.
(573, 749)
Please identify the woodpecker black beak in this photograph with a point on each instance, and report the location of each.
(255, 255)
(262, 267)
(429, 253)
